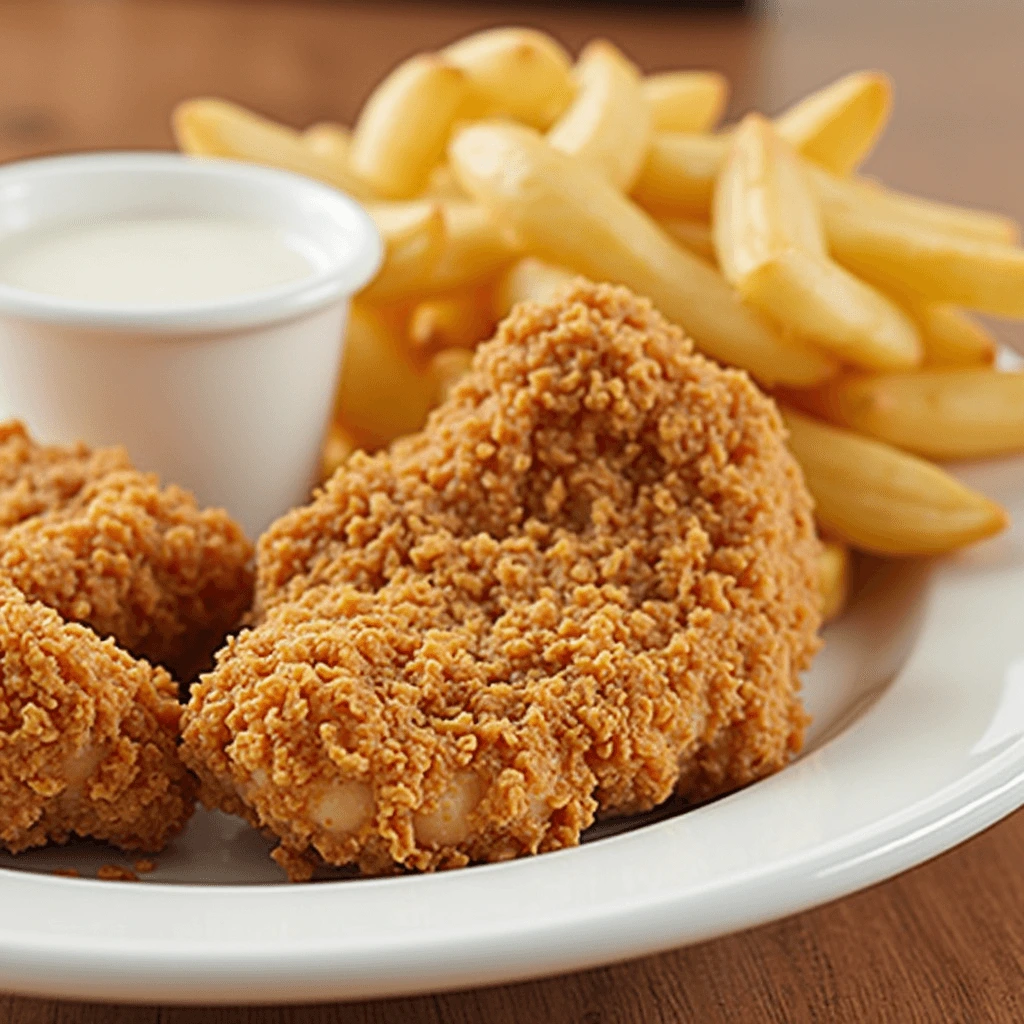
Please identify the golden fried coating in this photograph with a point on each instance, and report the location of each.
(88, 737)
(87, 534)
(589, 582)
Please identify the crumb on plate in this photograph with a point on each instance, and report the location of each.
(116, 873)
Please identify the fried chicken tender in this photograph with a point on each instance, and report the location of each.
(88, 737)
(103, 544)
(588, 583)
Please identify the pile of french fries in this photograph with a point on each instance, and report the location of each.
(499, 168)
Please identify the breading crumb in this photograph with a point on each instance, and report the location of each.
(116, 873)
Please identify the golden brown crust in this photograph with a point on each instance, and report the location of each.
(588, 582)
(103, 544)
(88, 737)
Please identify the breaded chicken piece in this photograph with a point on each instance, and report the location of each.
(105, 545)
(88, 737)
(589, 583)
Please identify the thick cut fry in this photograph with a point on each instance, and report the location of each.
(569, 214)
(414, 236)
(930, 262)
(210, 127)
(686, 101)
(382, 394)
(402, 130)
(529, 280)
(694, 235)
(398, 220)
(929, 250)
(940, 414)
(452, 321)
(338, 446)
(839, 125)
(446, 369)
(828, 306)
(833, 578)
(679, 172)
(441, 184)
(853, 197)
(771, 246)
(476, 248)
(763, 204)
(608, 125)
(515, 72)
(950, 337)
(469, 249)
(329, 139)
(883, 500)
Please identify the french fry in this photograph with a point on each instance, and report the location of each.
(693, 235)
(441, 184)
(833, 578)
(446, 369)
(529, 280)
(608, 125)
(771, 247)
(932, 251)
(569, 214)
(469, 248)
(477, 248)
(882, 500)
(329, 139)
(930, 262)
(686, 101)
(679, 172)
(939, 414)
(950, 337)
(338, 446)
(211, 127)
(404, 125)
(515, 72)
(452, 321)
(382, 394)
(414, 237)
(853, 197)
(763, 201)
(397, 220)
(839, 125)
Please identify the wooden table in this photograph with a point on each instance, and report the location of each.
(942, 943)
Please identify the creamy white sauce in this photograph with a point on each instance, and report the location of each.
(154, 261)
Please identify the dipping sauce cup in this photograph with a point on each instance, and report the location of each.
(227, 396)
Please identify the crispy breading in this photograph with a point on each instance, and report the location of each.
(105, 545)
(589, 582)
(88, 737)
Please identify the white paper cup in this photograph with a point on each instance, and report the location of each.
(230, 398)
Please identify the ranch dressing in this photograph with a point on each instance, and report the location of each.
(154, 261)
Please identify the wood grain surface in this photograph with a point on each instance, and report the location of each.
(942, 943)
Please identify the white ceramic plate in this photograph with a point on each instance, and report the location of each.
(918, 743)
